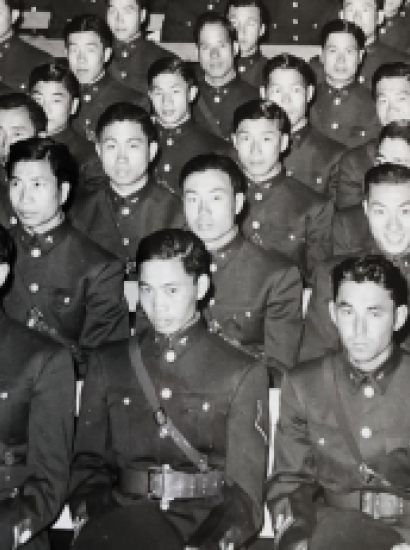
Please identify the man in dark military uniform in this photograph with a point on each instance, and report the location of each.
(88, 42)
(221, 90)
(135, 483)
(132, 53)
(257, 296)
(172, 89)
(394, 31)
(36, 427)
(312, 157)
(341, 472)
(343, 108)
(282, 214)
(57, 90)
(127, 204)
(248, 17)
(181, 16)
(391, 91)
(64, 284)
(367, 14)
(382, 226)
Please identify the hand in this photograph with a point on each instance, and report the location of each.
(226, 546)
(301, 545)
(401, 546)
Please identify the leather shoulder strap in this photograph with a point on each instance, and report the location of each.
(209, 117)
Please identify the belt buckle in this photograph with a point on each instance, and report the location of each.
(160, 489)
(383, 506)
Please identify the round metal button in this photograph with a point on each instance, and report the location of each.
(170, 356)
(126, 241)
(166, 393)
(258, 196)
(67, 300)
(241, 69)
(125, 211)
(366, 432)
(212, 302)
(126, 400)
(13, 220)
(368, 391)
(213, 268)
(124, 54)
(87, 97)
(36, 252)
(321, 441)
(361, 79)
(34, 287)
(335, 125)
(256, 225)
(167, 167)
(206, 406)
(217, 99)
(337, 101)
(170, 141)
(4, 395)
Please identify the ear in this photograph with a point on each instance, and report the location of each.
(401, 315)
(239, 202)
(380, 17)
(365, 205)
(234, 141)
(203, 284)
(262, 30)
(153, 150)
(107, 54)
(332, 311)
(74, 106)
(193, 92)
(15, 14)
(143, 15)
(262, 92)
(361, 54)
(4, 272)
(98, 149)
(310, 92)
(341, 14)
(284, 142)
(64, 192)
(235, 47)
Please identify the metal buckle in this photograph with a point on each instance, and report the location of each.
(160, 488)
(160, 417)
(382, 505)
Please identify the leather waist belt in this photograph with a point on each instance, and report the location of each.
(378, 505)
(162, 482)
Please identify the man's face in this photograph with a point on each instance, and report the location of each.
(86, 56)
(124, 17)
(394, 150)
(388, 212)
(341, 58)
(15, 125)
(168, 295)
(259, 144)
(210, 204)
(56, 102)
(35, 195)
(365, 316)
(363, 13)
(5, 18)
(391, 7)
(125, 152)
(215, 51)
(249, 27)
(287, 88)
(393, 99)
(170, 96)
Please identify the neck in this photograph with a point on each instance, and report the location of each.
(176, 124)
(375, 363)
(56, 130)
(97, 79)
(46, 226)
(271, 174)
(8, 34)
(133, 37)
(370, 39)
(216, 244)
(250, 52)
(339, 85)
(299, 125)
(129, 189)
(219, 81)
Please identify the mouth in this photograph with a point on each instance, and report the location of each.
(394, 239)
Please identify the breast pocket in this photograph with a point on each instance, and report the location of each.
(69, 308)
(14, 414)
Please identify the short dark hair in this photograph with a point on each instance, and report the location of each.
(171, 65)
(397, 69)
(52, 72)
(386, 174)
(119, 112)
(289, 61)
(213, 18)
(257, 109)
(7, 247)
(251, 3)
(342, 26)
(212, 161)
(62, 163)
(378, 3)
(167, 244)
(89, 22)
(397, 129)
(17, 100)
(373, 268)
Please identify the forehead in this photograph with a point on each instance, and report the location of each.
(390, 195)
(85, 38)
(159, 273)
(213, 32)
(123, 130)
(47, 87)
(363, 295)
(286, 77)
(166, 80)
(393, 85)
(360, 4)
(208, 181)
(18, 116)
(341, 39)
(244, 12)
(28, 169)
(123, 3)
(259, 126)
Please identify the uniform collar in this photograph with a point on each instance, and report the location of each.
(124, 49)
(165, 133)
(94, 88)
(378, 379)
(268, 183)
(300, 136)
(225, 88)
(173, 346)
(118, 202)
(247, 62)
(342, 92)
(39, 244)
(222, 257)
(402, 261)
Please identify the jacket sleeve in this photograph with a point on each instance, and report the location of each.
(283, 322)
(241, 513)
(93, 472)
(349, 190)
(319, 234)
(293, 482)
(49, 448)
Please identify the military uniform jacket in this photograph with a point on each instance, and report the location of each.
(311, 452)
(351, 236)
(130, 61)
(286, 216)
(221, 103)
(215, 397)
(119, 223)
(95, 98)
(394, 32)
(347, 115)
(77, 286)
(81, 148)
(376, 54)
(17, 60)
(36, 429)
(181, 16)
(257, 303)
(352, 168)
(250, 69)
(312, 159)
(179, 145)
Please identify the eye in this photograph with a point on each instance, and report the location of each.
(172, 290)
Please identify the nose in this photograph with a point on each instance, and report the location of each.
(340, 58)
(393, 223)
(80, 55)
(360, 326)
(203, 207)
(285, 98)
(215, 51)
(167, 100)
(255, 146)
